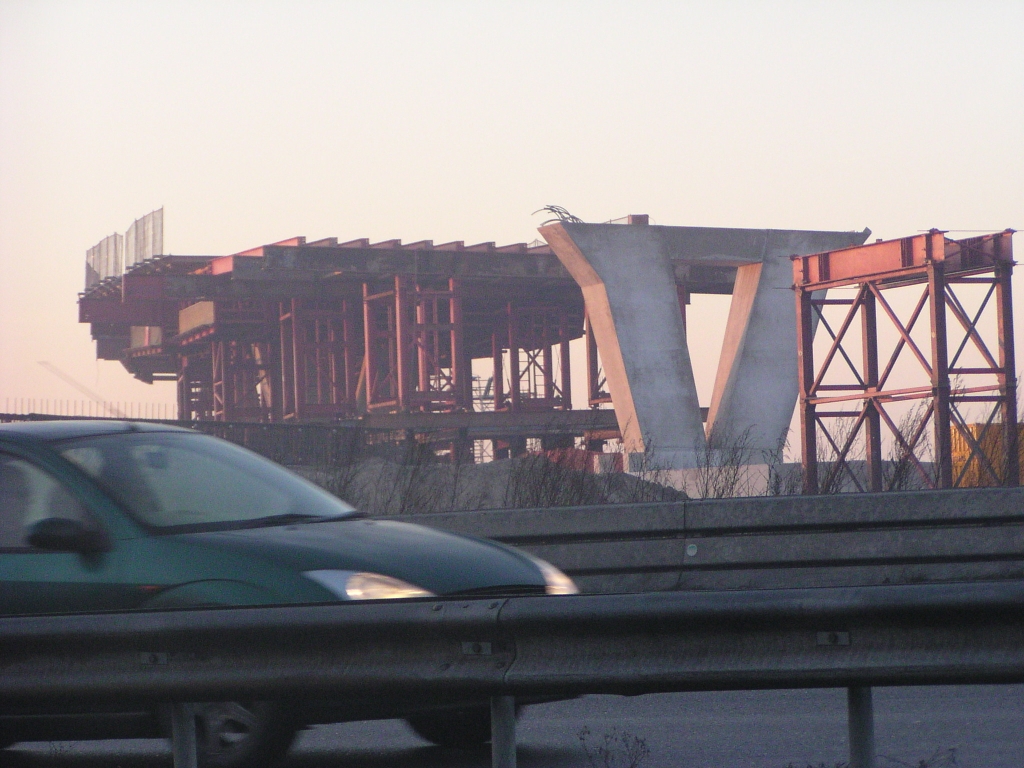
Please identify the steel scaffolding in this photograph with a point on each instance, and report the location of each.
(844, 397)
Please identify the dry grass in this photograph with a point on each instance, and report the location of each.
(424, 484)
(940, 758)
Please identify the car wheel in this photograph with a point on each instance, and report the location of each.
(235, 734)
(458, 728)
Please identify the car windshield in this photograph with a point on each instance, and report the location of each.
(175, 481)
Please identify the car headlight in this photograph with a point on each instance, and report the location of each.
(557, 583)
(361, 585)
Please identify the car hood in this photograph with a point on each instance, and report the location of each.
(440, 562)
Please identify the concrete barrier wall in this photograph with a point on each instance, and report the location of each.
(773, 542)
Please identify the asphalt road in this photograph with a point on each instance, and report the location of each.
(967, 727)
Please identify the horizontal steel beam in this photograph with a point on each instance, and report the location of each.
(478, 425)
(486, 423)
(560, 646)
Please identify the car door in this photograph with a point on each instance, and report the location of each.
(34, 580)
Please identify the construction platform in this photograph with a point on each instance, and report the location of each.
(329, 332)
(323, 331)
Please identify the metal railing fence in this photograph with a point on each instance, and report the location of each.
(853, 637)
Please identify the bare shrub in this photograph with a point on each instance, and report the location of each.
(899, 471)
(614, 749)
(782, 479)
(835, 474)
(424, 483)
(560, 479)
(723, 465)
(385, 478)
(540, 480)
(940, 758)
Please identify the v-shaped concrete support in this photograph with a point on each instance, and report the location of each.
(631, 275)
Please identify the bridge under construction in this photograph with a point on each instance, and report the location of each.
(384, 332)
(462, 341)
(452, 344)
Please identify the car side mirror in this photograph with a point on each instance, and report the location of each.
(59, 534)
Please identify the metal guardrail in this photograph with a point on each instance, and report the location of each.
(776, 542)
(551, 646)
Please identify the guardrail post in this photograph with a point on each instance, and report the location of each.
(503, 732)
(862, 727)
(183, 735)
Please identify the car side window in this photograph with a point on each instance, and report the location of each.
(29, 494)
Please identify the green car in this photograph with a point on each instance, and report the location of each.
(113, 516)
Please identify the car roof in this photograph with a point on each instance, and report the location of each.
(63, 429)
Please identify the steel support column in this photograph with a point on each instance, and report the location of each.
(380, 329)
(565, 368)
(498, 378)
(872, 419)
(183, 736)
(940, 370)
(298, 340)
(503, 732)
(289, 390)
(195, 386)
(403, 342)
(861, 719)
(461, 363)
(217, 366)
(1008, 370)
(596, 383)
(808, 417)
(370, 358)
(513, 360)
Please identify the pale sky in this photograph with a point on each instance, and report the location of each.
(254, 121)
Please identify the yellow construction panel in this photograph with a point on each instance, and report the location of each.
(992, 446)
(146, 336)
(196, 316)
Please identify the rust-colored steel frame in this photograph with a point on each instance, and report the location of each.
(224, 369)
(529, 334)
(597, 384)
(321, 352)
(323, 331)
(240, 373)
(938, 264)
(195, 385)
(415, 356)
(325, 352)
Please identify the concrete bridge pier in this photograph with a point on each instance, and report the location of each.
(632, 277)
